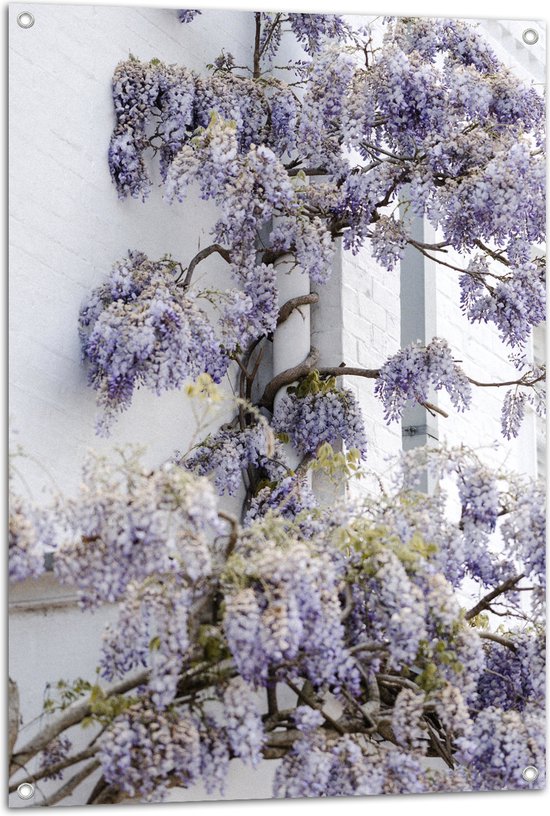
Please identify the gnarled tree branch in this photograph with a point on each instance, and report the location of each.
(71, 785)
(201, 256)
(485, 602)
(509, 644)
(294, 303)
(288, 376)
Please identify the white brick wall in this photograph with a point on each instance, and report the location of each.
(67, 226)
(371, 327)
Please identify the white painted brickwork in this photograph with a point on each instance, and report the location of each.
(67, 225)
(371, 325)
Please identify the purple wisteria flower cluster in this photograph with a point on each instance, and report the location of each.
(358, 614)
(479, 497)
(27, 540)
(291, 496)
(141, 329)
(151, 631)
(514, 303)
(188, 15)
(143, 751)
(318, 412)
(290, 611)
(129, 524)
(501, 745)
(408, 375)
(56, 751)
(244, 724)
(228, 452)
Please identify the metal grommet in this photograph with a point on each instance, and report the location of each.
(25, 790)
(25, 19)
(530, 773)
(530, 36)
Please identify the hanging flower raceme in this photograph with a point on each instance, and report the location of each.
(28, 540)
(141, 330)
(407, 376)
(228, 452)
(188, 15)
(289, 495)
(289, 611)
(143, 750)
(515, 304)
(129, 524)
(317, 411)
(135, 91)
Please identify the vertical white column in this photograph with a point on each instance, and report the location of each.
(292, 340)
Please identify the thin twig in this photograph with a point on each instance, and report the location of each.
(257, 36)
(521, 381)
(234, 534)
(429, 406)
(72, 715)
(395, 680)
(497, 256)
(66, 789)
(359, 709)
(50, 770)
(509, 644)
(315, 705)
(368, 647)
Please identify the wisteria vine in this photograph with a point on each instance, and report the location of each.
(357, 610)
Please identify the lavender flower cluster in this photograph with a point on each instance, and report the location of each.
(129, 524)
(392, 607)
(249, 187)
(141, 329)
(151, 631)
(290, 611)
(407, 721)
(514, 304)
(479, 497)
(524, 534)
(56, 751)
(289, 496)
(244, 724)
(228, 452)
(514, 678)
(143, 750)
(26, 543)
(325, 416)
(187, 15)
(346, 767)
(252, 312)
(313, 30)
(500, 746)
(407, 376)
